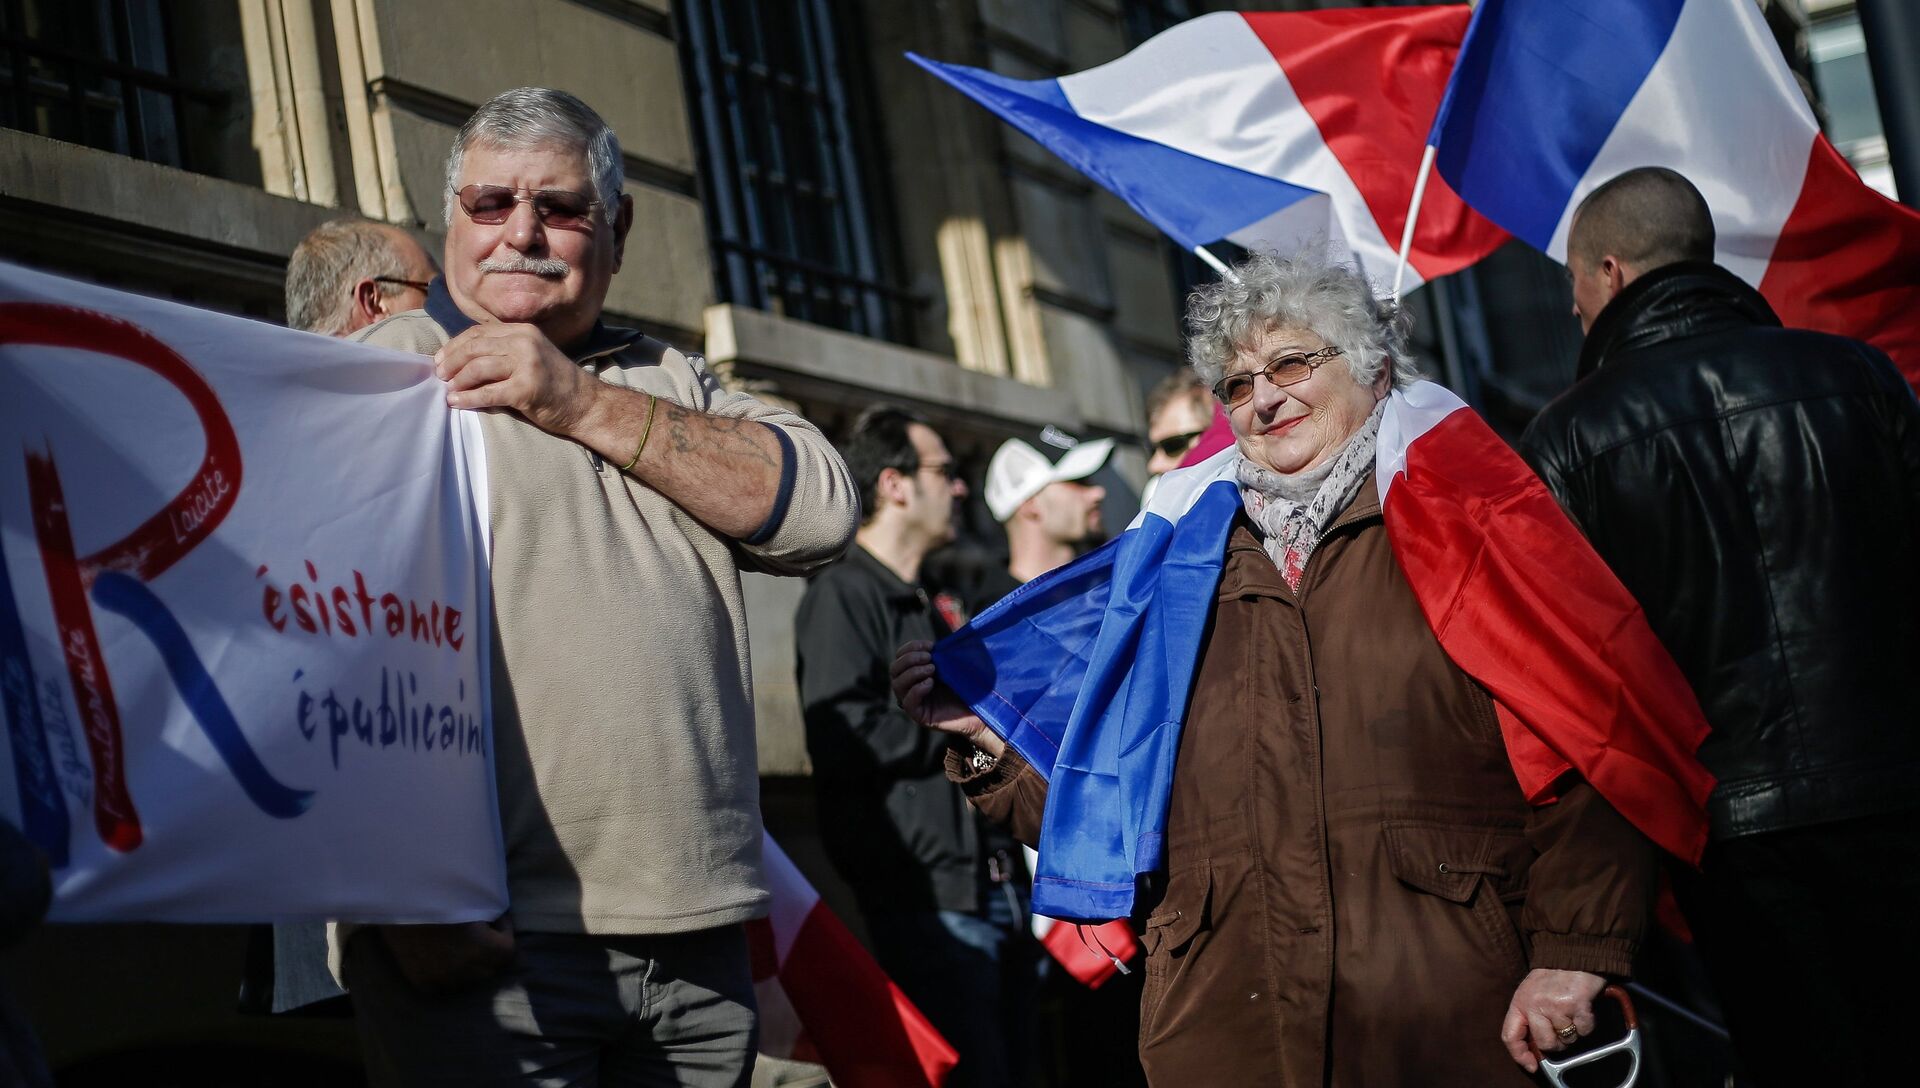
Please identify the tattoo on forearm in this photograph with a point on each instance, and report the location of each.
(723, 435)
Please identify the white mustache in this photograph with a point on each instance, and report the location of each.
(520, 262)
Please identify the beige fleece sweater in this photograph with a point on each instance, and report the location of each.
(622, 706)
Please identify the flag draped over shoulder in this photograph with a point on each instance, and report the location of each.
(1087, 670)
(1552, 98)
(1266, 129)
(1524, 605)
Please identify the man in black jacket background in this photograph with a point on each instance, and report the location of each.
(1757, 489)
(933, 879)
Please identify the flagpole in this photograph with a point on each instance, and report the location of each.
(1413, 216)
(1213, 262)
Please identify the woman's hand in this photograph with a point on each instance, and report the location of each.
(920, 694)
(1544, 1006)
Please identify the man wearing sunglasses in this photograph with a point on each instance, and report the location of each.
(627, 490)
(1179, 411)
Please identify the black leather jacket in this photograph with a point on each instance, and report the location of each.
(1757, 489)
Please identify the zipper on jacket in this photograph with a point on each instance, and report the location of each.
(1299, 595)
(1322, 837)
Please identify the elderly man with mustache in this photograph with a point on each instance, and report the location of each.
(627, 490)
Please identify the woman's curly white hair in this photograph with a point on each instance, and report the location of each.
(1333, 301)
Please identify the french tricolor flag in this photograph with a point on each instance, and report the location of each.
(1269, 130)
(822, 998)
(1551, 98)
(1086, 671)
(1523, 604)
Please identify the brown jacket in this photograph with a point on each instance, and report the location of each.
(1354, 883)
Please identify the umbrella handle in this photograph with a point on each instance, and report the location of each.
(1630, 1043)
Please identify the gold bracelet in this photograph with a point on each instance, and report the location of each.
(645, 432)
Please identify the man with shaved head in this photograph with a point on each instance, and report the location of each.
(1642, 220)
(1757, 488)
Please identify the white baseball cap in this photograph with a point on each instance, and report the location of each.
(1019, 471)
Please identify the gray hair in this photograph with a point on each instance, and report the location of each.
(328, 262)
(537, 117)
(1307, 291)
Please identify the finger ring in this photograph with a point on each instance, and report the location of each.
(1567, 1033)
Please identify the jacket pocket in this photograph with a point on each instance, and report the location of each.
(1464, 865)
(1170, 936)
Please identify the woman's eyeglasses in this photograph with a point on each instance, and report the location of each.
(1289, 369)
(492, 204)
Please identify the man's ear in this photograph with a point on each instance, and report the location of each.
(369, 305)
(1615, 273)
(622, 223)
(888, 488)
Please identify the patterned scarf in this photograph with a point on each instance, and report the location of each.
(1292, 511)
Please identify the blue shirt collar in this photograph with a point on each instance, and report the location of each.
(444, 311)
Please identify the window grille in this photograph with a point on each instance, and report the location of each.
(796, 226)
(94, 72)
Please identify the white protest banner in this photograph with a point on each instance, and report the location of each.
(242, 618)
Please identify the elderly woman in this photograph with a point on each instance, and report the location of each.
(1356, 892)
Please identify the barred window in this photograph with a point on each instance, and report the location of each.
(94, 72)
(796, 228)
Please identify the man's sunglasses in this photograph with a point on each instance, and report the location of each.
(492, 204)
(1176, 444)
